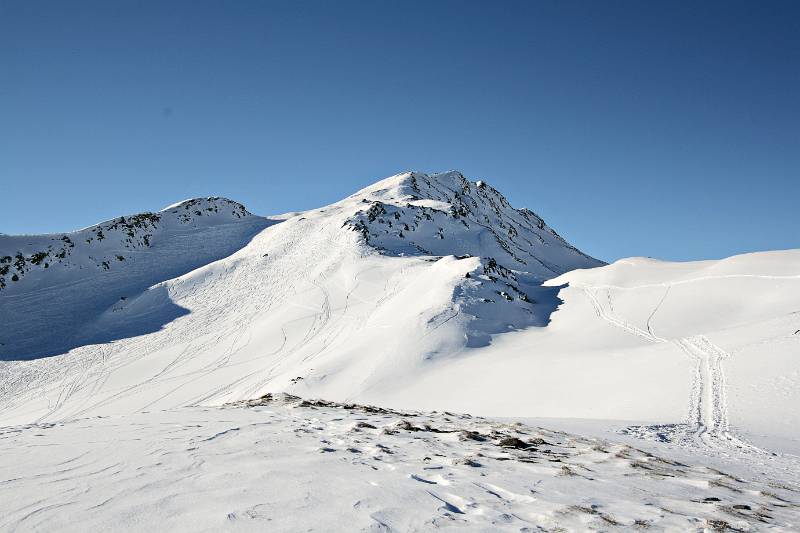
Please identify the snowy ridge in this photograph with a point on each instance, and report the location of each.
(446, 214)
(104, 245)
(53, 286)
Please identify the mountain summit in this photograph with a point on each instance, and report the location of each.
(446, 214)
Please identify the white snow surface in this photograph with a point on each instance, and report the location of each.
(52, 287)
(335, 296)
(425, 292)
(280, 464)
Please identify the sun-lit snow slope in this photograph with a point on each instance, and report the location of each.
(53, 286)
(708, 352)
(346, 300)
(290, 465)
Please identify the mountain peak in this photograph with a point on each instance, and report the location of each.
(108, 244)
(208, 205)
(414, 213)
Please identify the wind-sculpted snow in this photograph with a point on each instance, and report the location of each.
(280, 463)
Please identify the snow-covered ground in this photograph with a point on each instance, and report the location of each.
(298, 466)
(702, 351)
(425, 292)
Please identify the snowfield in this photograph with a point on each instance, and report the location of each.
(124, 345)
(282, 464)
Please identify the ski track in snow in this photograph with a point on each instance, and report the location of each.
(708, 408)
(707, 423)
(615, 320)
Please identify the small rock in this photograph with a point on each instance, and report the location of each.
(514, 442)
(467, 461)
(471, 435)
(408, 426)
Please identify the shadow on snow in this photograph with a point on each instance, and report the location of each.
(106, 306)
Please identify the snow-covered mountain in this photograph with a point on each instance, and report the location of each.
(393, 294)
(100, 273)
(53, 286)
(104, 244)
(421, 292)
(446, 214)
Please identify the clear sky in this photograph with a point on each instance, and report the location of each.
(666, 129)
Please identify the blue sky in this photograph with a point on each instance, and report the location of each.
(665, 129)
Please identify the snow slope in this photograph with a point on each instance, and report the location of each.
(53, 286)
(712, 344)
(288, 465)
(421, 292)
(320, 296)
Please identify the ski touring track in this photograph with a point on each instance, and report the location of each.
(708, 407)
(707, 425)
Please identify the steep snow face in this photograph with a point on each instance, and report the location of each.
(446, 214)
(415, 214)
(51, 286)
